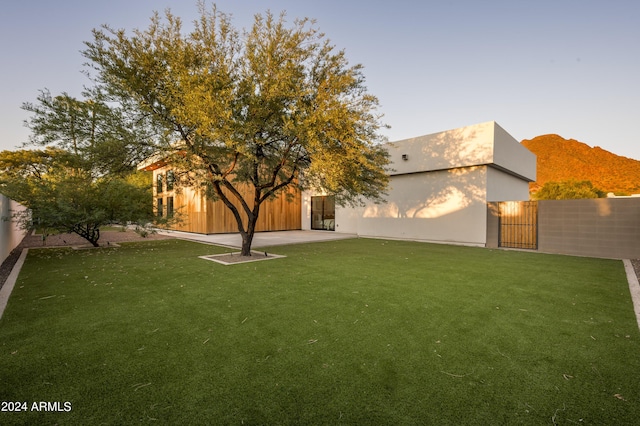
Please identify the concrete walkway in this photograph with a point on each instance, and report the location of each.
(261, 239)
(634, 287)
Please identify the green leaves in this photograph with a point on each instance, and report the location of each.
(568, 190)
(62, 195)
(258, 106)
(107, 137)
(268, 107)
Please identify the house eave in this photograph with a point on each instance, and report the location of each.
(149, 166)
(510, 172)
(491, 165)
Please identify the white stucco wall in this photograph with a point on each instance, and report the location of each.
(305, 211)
(10, 233)
(476, 145)
(467, 146)
(511, 155)
(439, 192)
(446, 205)
(502, 186)
(348, 219)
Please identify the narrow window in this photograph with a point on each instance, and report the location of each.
(159, 207)
(170, 180)
(159, 184)
(169, 205)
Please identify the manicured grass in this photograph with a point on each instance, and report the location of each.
(347, 332)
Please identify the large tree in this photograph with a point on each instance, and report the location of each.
(111, 139)
(85, 177)
(64, 196)
(269, 107)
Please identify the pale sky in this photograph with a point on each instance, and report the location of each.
(570, 67)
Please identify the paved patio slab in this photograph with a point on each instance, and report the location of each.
(262, 239)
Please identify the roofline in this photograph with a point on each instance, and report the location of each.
(491, 165)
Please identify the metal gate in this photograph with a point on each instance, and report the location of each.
(518, 224)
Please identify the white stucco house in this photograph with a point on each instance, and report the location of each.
(439, 188)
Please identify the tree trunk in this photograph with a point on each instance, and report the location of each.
(88, 232)
(252, 215)
(247, 237)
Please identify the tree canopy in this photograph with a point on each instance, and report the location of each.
(268, 107)
(85, 176)
(109, 138)
(64, 197)
(568, 190)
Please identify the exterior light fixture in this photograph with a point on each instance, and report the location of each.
(405, 157)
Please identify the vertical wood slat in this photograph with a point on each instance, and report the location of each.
(205, 216)
(519, 224)
(277, 214)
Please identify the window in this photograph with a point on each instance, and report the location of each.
(169, 204)
(170, 180)
(323, 213)
(159, 207)
(159, 187)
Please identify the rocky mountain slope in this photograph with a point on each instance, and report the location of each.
(562, 159)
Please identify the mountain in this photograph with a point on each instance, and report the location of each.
(562, 159)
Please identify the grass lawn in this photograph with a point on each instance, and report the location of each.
(356, 331)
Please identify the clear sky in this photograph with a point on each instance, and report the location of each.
(570, 67)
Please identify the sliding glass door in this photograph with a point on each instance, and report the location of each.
(323, 213)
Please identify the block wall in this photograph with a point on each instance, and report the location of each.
(602, 227)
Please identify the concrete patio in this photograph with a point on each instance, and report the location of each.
(261, 239)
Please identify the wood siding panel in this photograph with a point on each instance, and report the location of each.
(278, 214)
(204, 216)
(192, 210)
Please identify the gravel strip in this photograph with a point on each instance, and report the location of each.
(636, 267)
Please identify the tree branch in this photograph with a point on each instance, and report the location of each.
(281, 185)
(230, 205)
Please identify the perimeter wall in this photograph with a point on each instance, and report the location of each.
(10, 233)
(601, 227)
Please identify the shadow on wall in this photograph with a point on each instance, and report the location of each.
(431, 195)
(461, 147)
(443, 174)
(469, 146)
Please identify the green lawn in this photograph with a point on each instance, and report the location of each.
(348, 332)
